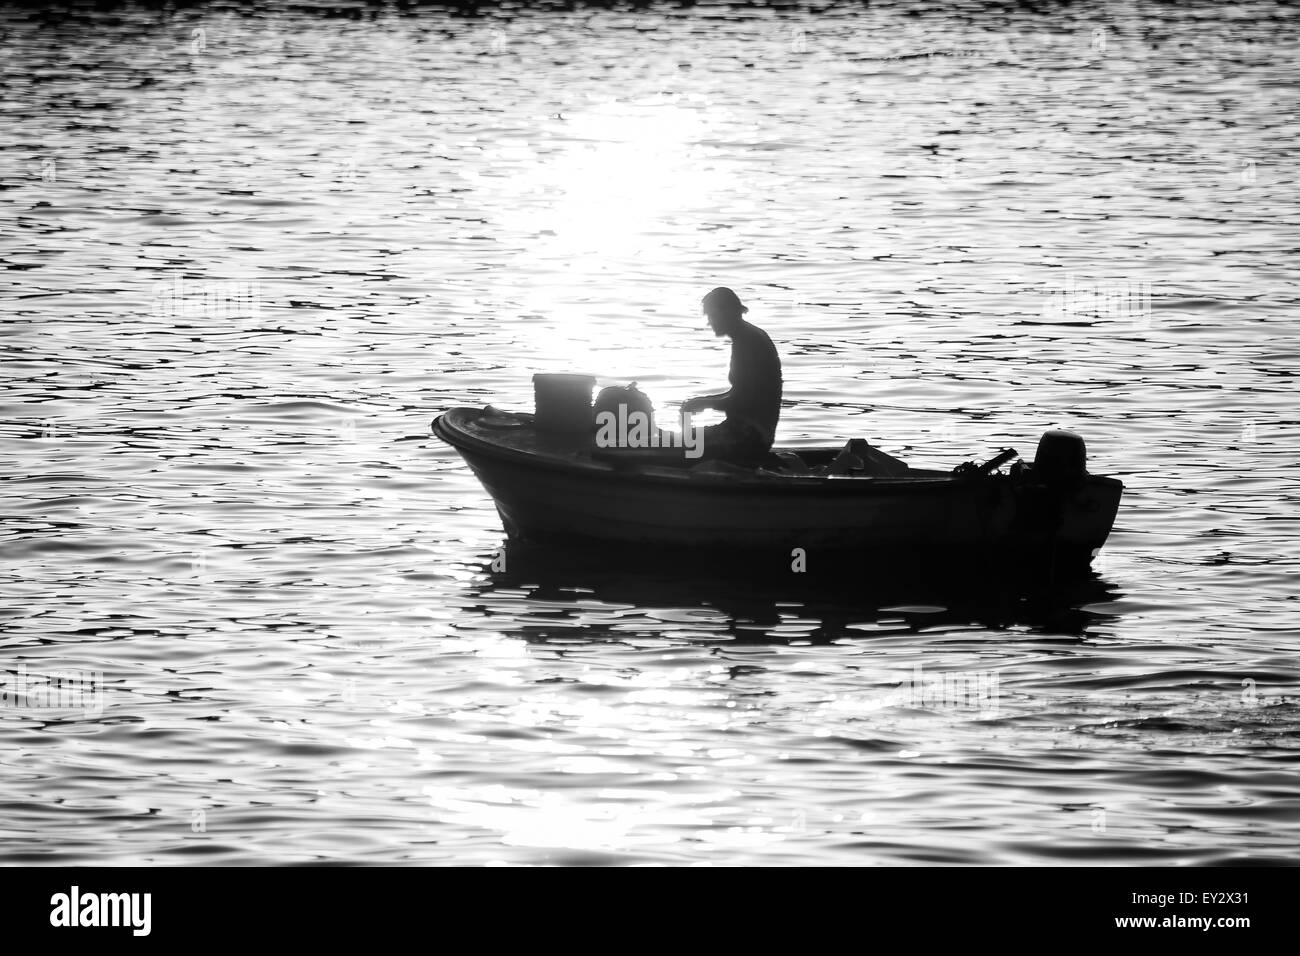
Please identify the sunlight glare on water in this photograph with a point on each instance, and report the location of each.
(625, 184)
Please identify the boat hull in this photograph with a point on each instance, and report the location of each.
(550, 491)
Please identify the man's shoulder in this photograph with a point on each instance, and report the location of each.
(751, 334)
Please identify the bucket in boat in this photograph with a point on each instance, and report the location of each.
(563, 402)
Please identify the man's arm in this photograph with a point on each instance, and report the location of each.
(718, 402)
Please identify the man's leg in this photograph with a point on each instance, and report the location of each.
(732, 442)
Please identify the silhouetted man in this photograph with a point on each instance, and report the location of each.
(753, 403)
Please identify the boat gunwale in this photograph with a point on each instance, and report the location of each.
(461, 440)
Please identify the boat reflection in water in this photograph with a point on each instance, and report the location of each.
(574, 593)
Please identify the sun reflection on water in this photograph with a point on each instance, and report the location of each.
(623, 195)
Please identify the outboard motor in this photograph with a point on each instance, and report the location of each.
(1061, 460)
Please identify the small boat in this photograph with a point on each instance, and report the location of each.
(558, 487)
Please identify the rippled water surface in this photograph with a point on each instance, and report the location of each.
(247, 258)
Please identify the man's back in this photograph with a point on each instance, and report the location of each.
(755, 379)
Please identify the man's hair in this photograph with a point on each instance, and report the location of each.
(722, 296)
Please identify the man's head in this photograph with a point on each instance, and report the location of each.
(724, 309)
